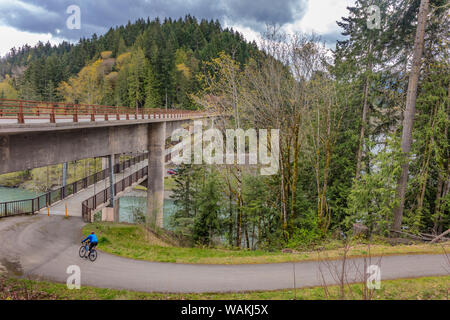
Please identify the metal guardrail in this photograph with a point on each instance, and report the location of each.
(30, 206)
(23, 110)
(103, 196)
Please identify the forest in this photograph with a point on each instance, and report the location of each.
(364, 141)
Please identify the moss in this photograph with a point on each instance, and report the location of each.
(13, 179)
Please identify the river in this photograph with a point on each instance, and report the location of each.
(136, 201)
(11, 194)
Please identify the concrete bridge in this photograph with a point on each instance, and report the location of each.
(36, 134)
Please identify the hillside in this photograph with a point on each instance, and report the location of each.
(149, 63)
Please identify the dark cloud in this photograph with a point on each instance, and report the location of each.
(331, 37)
(97, 16)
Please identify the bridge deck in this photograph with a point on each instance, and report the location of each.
(10, 126)
(17, 116)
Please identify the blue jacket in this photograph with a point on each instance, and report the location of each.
(91, 238)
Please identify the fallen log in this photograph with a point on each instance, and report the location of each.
(413, 236)
(440, 236)
(432, 236)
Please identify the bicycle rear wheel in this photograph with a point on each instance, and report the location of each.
(93, 255)
(82, 252)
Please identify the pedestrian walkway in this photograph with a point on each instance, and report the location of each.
(74, 202)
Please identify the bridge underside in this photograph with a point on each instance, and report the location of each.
(22, 149)
(28, 150)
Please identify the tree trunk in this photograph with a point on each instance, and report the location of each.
(247, 240)
(424, 170)
(231, 219)
(437, 210)
(440, 236)
(362, 133)
(283, 197)
(408, 118)
(239, 207)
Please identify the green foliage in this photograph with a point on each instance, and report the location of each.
(427, 200)
(7, 91)
(207, 220)
(189, 64)
(258, 212)
(136, 79)
(183, 194)
(103, 241)
(307, 231)
(166, 56)
(139, 216)
(373, 197)
(198, 198)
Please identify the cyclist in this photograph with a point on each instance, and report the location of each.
(92, 242)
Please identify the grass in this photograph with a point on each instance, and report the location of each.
(133, 241)
(140, 188)
(169, 184)
(427, 288)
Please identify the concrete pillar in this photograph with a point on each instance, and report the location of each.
(64, 174)
(155, 181)
(116, 210)
(111, 178)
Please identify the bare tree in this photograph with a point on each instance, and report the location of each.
(345, 272)
(287, 87)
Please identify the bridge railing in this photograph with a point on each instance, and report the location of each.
(30, 206)
(102, 197)
(28, 110)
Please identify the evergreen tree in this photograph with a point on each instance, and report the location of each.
(207, 221)
(136, 79)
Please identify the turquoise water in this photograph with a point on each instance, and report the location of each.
(129, 204)
(11, 194)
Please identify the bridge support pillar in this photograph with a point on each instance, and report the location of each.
(155, 181)
(64, 174)
(116, 210)
(111, 179)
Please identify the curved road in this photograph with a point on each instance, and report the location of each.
(43, 247)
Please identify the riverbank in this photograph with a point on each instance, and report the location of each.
(46, 178)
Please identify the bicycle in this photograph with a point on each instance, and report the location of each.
(85, 248)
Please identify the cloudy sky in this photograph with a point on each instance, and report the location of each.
(28, 21)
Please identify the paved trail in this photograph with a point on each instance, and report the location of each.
(43, 247)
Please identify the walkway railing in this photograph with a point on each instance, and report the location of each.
(103, 196)
(30, 206)
(23, 110)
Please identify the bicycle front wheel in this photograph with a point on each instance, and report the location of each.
(82, 252)
(93, 255)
